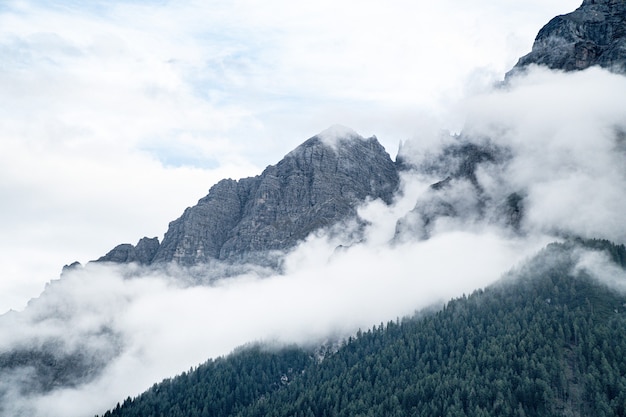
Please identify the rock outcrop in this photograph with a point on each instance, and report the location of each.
(593, 34)
(143, 253)
(320, 183)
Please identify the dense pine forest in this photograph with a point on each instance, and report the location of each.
(548, 340)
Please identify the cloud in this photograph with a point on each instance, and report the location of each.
(158, 325)
(565, 132)
(599, 266)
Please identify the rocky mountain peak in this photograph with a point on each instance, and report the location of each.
(337, 134)
(318, 184)
(593, 34)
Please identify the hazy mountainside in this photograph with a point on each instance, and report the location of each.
(317, 185)
(549, 341)
(593, 34)
(459, 194)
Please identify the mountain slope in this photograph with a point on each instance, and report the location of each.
(548, 341)
(223, 386)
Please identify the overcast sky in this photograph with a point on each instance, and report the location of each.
(116, 115)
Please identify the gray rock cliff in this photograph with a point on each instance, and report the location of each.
(317, 185)
(593, 34)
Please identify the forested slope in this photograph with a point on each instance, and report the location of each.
(547, 341)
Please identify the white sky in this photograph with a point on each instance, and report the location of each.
(116, 116)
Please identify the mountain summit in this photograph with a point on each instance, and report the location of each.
(317, 185)
(593, 34)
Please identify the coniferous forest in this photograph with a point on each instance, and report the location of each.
(548, 340)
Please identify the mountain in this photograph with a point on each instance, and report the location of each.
(593, 34)
(315, 186)
(547, 341)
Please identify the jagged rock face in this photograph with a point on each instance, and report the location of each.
(593, 34)
(317, 185)
(313, 187)
(142, 253)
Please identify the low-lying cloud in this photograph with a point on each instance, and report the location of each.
(156, 327)
(566, 132)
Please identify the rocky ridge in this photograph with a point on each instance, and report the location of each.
(593, 34)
